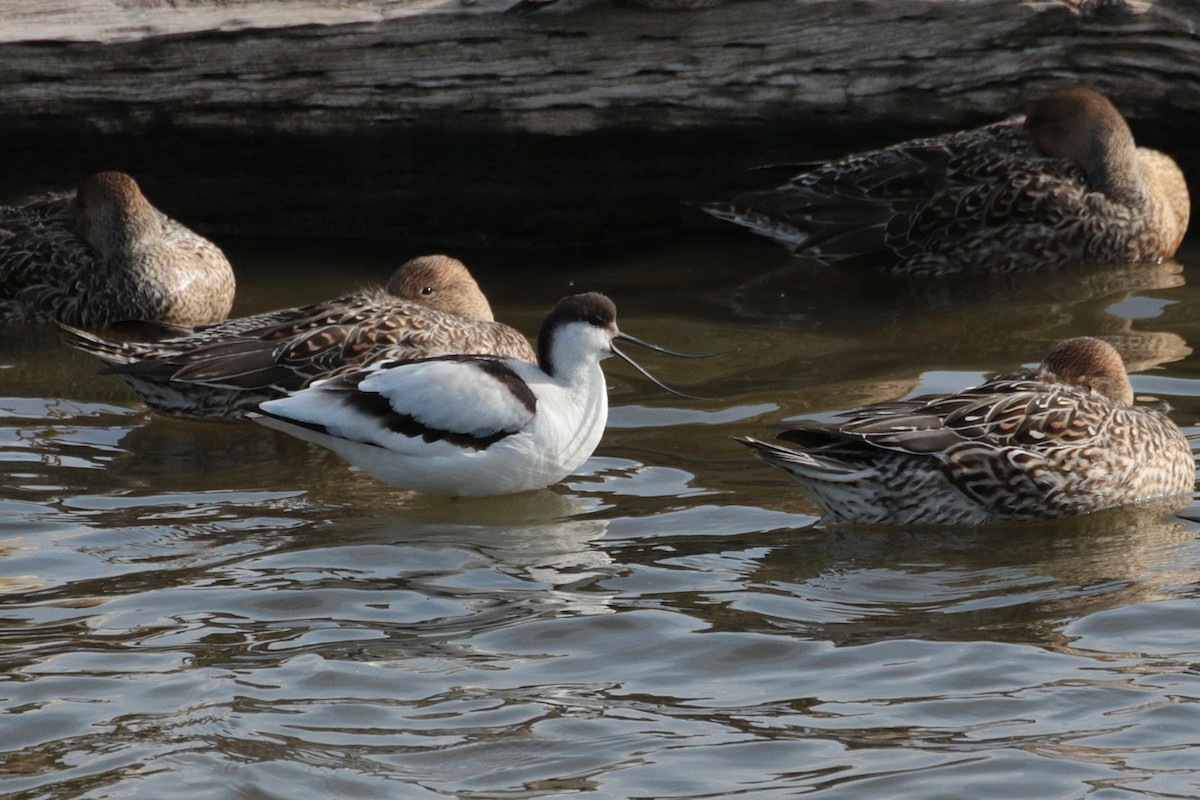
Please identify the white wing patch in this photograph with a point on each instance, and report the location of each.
(465, 401)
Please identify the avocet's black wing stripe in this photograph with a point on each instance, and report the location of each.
(467, 401)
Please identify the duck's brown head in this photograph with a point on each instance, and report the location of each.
(1082, 126)
(1086, 361)
(442, 283)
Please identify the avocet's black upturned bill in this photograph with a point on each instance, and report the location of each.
(471, 424)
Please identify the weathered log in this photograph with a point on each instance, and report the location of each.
(449, 120)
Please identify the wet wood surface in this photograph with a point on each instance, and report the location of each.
(517, 111)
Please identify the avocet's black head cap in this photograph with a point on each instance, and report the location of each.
(590, 307)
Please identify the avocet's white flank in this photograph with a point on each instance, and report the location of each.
(470, 424)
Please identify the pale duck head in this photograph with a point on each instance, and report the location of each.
(441, 283)
(113, 215)
(1082, 126)
(1085, 361)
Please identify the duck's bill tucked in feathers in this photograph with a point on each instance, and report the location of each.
(105, 255)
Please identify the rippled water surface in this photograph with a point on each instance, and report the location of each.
(215, 610)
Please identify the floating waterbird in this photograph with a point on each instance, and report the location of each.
(105, 255)
(471, 424)
(430, 304)
(1058, 440)
(1062, 184)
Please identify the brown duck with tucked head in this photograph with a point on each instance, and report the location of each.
(1063, 184)
(1058, 440)
(105, 255)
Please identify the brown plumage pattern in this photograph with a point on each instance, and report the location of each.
(104, 255)
(1062, 184)
(431, 304)
(1059, 440)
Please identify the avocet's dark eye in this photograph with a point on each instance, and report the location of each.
(427, 290)
(596, 320)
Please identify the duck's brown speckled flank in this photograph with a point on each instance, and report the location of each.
(1059, 440)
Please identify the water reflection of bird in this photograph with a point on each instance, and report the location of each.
(470, 425)
(431, 304)
(1017, 582)
(1064, 183)
(856, 339)
(1059, 440)
(104, 255)
(546, 539)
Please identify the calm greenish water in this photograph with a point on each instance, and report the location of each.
(215, 610)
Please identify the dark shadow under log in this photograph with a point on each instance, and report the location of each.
(458, 124)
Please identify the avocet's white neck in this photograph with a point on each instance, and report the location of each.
(572, 358)
(574, 355)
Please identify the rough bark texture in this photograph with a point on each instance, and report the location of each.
(441, 120)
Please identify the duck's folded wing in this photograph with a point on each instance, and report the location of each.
(868, 208)
(282, 354)
(1016, 410)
